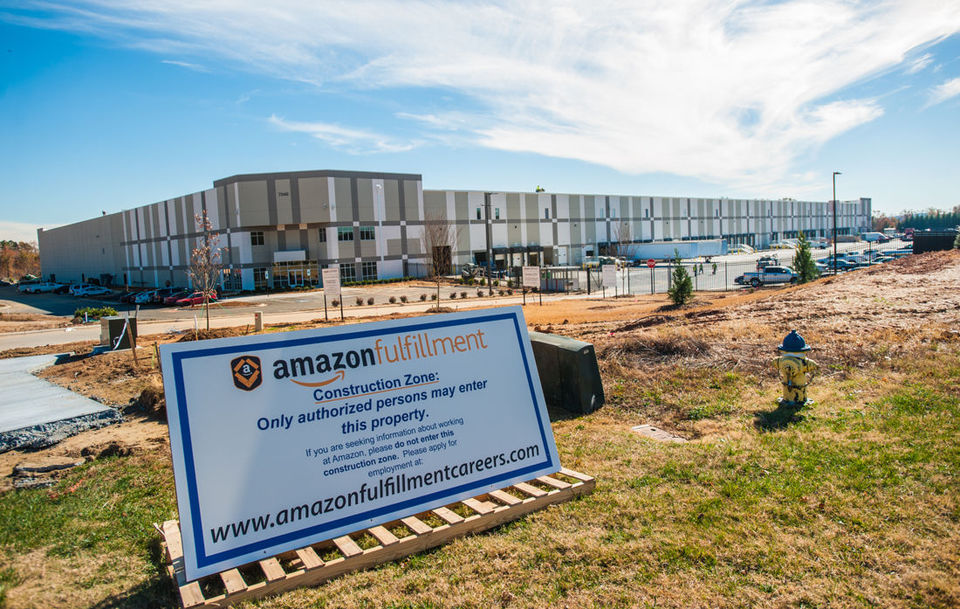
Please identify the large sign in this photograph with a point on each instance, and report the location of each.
(531, 276)
(609, 275)
(283, 440)
(331, 281)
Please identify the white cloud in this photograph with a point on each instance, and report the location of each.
(21, 231)
(943, 92)
(185, 64)
(732, 91)
(919, 63)
(355, 141)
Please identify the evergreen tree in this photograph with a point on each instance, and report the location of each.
(956, 241)
(681, 288)
(803, 264)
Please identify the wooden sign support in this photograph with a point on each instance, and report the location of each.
(320, 562)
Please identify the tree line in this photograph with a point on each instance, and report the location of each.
(932, 219)
(18, 258)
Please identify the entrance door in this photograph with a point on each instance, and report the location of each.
(296, 277)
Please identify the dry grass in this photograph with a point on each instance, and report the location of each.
(853, 502)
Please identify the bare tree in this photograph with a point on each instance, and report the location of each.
(206, 262)
(622, 245)
(439, 238)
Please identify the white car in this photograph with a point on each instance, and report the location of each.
(93, 290)
(38, 288)
(145, 297)
(74, 289)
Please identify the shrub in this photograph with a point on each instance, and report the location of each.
(510, 292)
(95, 312)
(496, 282)
(463, 294)
(803, 264)
(393, 300)
(335, 303)
(359, 301)
(681, 287)
(370, 300)
(423, 297)
(403, 298)
(453, 295)
(510, 283)
(502, 292)
(480, 292)
(433, 296)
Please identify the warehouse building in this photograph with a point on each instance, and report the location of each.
(279, 229)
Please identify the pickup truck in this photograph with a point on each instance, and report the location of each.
(768, 276)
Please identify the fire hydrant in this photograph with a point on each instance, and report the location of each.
(796, 370)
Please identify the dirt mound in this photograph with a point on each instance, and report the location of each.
(919, 264)
(208, 334)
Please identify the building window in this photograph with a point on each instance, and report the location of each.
(348, 272)
(260, 277)
(345, 233)
(367, 233)
(546, 213)
(496, 213)
(256, 237)
(646, 212)
(323, 235)
(478, 214)
(368, 270)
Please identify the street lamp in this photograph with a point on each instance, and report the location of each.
(489, 235)
(835, 174)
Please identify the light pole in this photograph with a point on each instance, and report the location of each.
(835, 174)
(489, 234)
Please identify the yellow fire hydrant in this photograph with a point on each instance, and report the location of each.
(796, 370)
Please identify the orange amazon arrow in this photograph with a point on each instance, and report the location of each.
(336, 377)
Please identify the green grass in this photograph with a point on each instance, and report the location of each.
(854, 502)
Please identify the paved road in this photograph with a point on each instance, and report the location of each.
(245, 317)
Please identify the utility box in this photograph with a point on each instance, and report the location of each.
(568, 372)
(115, 332)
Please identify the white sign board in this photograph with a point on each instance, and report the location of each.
(284, 440)
(531, 276)
(609, 275)
(331, 281)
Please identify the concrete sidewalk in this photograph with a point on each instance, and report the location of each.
(36, 413)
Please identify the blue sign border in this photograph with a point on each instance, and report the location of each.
(178, 358)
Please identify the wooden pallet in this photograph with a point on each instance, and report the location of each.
(305, 567)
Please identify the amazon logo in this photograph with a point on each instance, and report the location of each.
(338, 363)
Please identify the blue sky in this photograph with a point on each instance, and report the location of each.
(104, 106)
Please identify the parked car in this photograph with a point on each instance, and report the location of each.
(93, 290)
(821, 243)
(768, 276)
(79, 287)
(62, 289)
(172, 299)
(766, 261)
(38, 288)
(195, 298)
(145, 297)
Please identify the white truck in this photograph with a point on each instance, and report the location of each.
(770, 275)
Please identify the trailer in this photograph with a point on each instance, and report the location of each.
(668, 250)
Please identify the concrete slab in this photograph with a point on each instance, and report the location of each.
(658, 434)
(36, 413)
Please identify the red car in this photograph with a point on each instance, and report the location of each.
(195, 299)
(173, 298)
